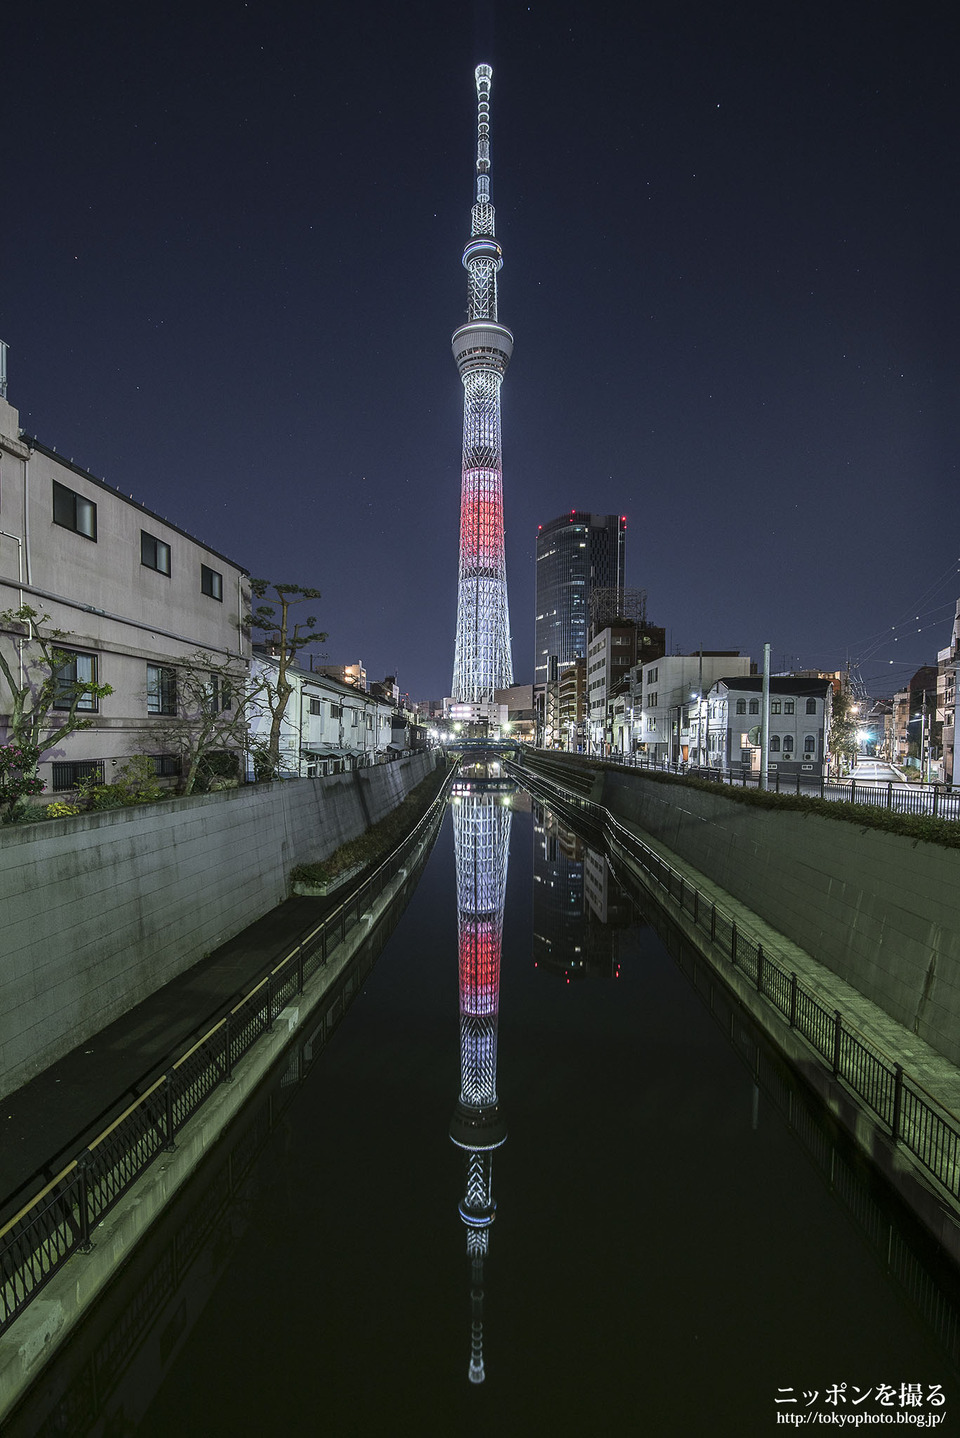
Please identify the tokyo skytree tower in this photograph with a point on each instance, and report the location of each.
(481, 831)
(482, 349)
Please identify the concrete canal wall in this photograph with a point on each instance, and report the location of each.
(100, 910)
(880, 910)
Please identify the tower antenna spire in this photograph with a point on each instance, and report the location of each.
(482, 349)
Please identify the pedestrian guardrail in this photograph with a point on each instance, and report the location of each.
(937, 801)
(913, 1116)
(59, 1220)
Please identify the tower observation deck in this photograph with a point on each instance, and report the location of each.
(482, 349)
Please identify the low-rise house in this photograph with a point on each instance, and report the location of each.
(799, 724)
(328, 727)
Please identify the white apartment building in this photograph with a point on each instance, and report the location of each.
(328, 727)
(668, 720)
(132, 594)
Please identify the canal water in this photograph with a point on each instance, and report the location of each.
(680, 1244)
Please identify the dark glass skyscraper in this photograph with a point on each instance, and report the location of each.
(576, 553)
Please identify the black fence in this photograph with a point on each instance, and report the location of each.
(938, 801)
(59, 1220)
(913, 1116)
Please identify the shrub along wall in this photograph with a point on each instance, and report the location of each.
(880, 909)
(101, 910)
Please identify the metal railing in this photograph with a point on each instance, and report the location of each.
(937, 801)
(59, 1220)
(837, 1167)
(913, 1116)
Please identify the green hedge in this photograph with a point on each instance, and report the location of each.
(379, 839)
(945, 832)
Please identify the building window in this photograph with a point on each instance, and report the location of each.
(788, 706)
(754, 706)
(775, 744)
(774, 706)
(811, 706)
(68, 776)
(741, 706)
(336, 710)
(211, 582)
(75, 669)
(74, 512)
(316, 706)
(154, 554)
(161, 690)
(219, 693)
(369, 721)
(166, 766)
(788, 743)
(810, 744)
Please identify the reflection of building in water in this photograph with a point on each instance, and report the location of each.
(578, 906)
(557, 897)
(481, 829)
(605, 898)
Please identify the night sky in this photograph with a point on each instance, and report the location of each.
(231, 268)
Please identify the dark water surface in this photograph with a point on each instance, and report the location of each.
(679, 1238)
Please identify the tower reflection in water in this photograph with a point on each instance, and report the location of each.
(481, 827)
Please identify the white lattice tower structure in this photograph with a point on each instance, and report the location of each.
(482, 349)
(481, 827)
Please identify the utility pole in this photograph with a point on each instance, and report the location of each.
(700, 706)
(765, 722)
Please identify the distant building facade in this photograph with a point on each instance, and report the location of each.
(353, 674)
(918, 722)
(667, 717)
(575, 554)
(610, 655)
(521, 719)
(948, 660)
(572, 708)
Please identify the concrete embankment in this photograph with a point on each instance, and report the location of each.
(36, 1334)
(750, 899)
(102, 910)
(879, 910)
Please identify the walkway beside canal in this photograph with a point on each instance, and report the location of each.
(47, 1288)
(873, 1033)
